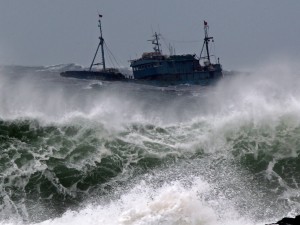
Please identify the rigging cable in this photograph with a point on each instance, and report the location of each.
(170, 47)
(112, 55)
(110, 59)
(181, 41)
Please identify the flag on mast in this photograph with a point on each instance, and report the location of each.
(205, 24)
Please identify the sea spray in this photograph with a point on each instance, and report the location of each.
(170, 204)
(71, 151)
(178, 202)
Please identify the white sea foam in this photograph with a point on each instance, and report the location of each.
(171, 204)
(143, 205)
(261, 100)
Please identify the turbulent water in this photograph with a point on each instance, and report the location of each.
(90, 152)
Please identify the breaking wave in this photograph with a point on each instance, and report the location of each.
(118, 153)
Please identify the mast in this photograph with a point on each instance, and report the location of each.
(206, 42)
(156, 43)
(101, 43)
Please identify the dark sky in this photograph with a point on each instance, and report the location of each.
(246, 32)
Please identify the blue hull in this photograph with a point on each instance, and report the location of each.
(197, 78)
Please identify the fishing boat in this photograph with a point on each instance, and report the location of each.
(109, 74)
(158, 68)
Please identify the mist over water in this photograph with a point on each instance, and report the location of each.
(91, 152)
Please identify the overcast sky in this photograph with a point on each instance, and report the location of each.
(246, 32)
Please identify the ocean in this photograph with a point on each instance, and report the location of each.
(92, 152)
